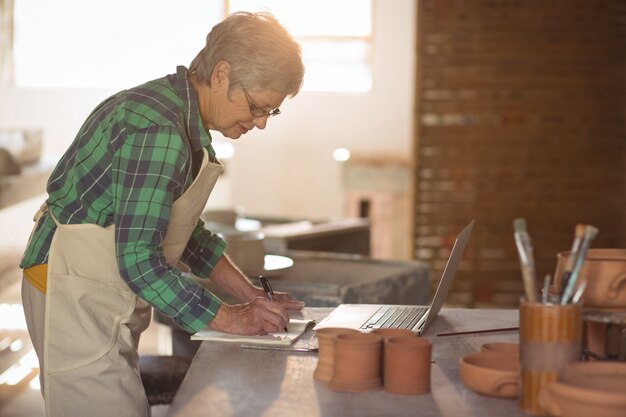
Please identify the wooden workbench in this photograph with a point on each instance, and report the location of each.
(227, 380)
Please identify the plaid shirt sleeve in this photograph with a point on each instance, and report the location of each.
(148, 171)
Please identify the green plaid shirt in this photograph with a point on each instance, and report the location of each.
(129, 162)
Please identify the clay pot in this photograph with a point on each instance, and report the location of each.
(387, 333)
(491, 373)
(605, 272)
(357, 362)
(586, 389)
(407, 365)
(326, 354)
(501, 347)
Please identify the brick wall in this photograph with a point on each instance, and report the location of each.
(520, 113)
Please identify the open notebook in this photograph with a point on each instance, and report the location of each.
(296, 328)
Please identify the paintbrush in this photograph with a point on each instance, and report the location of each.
(527, 261)
(546, 289)
(579, 291)
(590, 233)
(571, 259)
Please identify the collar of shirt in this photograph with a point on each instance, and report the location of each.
(198, 136)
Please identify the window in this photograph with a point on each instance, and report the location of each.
(336, 39)
(121, 43)
(108, 44)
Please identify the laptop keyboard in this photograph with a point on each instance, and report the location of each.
(395, 317)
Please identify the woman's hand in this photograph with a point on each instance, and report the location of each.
(286, 300)
(256, 317)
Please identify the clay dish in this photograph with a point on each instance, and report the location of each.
(501, 347)
(491, 373)
(586, 389)
(605, 272)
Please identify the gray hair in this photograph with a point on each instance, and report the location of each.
(261, 53)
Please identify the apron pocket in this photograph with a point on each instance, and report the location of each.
(84, 318)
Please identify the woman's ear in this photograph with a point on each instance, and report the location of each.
(220, 75)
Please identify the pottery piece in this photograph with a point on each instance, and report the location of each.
(586, 389)
(491, 373)
(407, 362)
(550, 339)
(387, 333)
(326, 351)
(501, 347)
(605, 272)
(357, 362)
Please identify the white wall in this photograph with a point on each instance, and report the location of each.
(287, 169)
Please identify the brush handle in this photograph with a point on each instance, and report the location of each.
(527, 264)
(569, 265)
(573, 278)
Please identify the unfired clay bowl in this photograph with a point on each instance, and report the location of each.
(491, 373)
(605, 272)
(588, 389)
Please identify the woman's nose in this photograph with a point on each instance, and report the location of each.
(260, 122)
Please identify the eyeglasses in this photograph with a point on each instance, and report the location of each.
(256, 110)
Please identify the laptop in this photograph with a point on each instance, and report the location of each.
(368, 317)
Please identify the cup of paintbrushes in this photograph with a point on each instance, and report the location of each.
(550, 338)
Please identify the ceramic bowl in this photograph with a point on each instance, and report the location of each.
(491, 373)
(586, 389)
(501, 347)
(605, 272)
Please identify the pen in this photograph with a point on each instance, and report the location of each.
(269, 293)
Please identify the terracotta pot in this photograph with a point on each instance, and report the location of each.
(587, 389)
(407, 365)
(326, 354)
(491, 373)
(501, 347)
(594, 339)
(387, 333)
(605, 272)
(357, 362)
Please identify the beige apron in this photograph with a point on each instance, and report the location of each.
(93, 320)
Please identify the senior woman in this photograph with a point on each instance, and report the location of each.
(123, 211)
